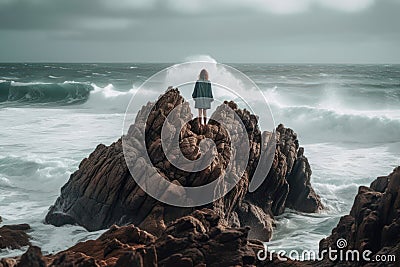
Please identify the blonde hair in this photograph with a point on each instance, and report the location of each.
(203, 75)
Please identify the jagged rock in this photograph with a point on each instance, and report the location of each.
(8, 262)
(201, 239)
(286, 185)
(260, 222)
(198, 239)
(73, 259)
(301, 196)
(108, 247)
(374, 221)
(14, 236)
(32, 258)
(131, 259)
(102, 191)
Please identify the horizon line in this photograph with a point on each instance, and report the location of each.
(177, 62)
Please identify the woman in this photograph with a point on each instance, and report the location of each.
(202, 95)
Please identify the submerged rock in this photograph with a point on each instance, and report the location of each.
(102, 191)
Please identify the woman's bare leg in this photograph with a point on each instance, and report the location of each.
(205, 116)
(200, 116)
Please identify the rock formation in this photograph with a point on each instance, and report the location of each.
(198, 239)
(14, 236)
(373, 223)
(31, 258)
(102, 192)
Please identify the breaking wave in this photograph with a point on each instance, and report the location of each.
(66, 93)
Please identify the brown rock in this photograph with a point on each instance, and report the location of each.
(198, 239)
(14, 236)
(260, 223)
(32, 258)
(301, 196)
(8, 262)
(374, 220)
(201, 239)
(130, 259)
(102, 192)
(73, 259)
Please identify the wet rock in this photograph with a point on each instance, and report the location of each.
(198, 239)
(260, 222)
(14, 236)
(374, 220)
(8, 262)
(301, 196)
(32, 258)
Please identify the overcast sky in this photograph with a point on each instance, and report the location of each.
(271, 31)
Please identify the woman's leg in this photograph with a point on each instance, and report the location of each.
(200, 116)
(205, 116)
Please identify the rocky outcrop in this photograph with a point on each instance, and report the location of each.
(32, 258)
(198, 239)
(14, 236)
(373, 223)
(102, 191)
(288, 181)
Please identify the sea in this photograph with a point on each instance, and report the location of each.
(53, 115)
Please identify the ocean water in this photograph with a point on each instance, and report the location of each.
(53, 115)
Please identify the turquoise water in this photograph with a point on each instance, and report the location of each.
(53, 115)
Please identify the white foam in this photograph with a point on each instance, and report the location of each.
(330, 125)
(53, 239)
(5, 182)
(74, 82)
(108, 98)
(13, 83)
(200, 57)
(41, 169)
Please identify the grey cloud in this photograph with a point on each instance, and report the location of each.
(116, 30)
